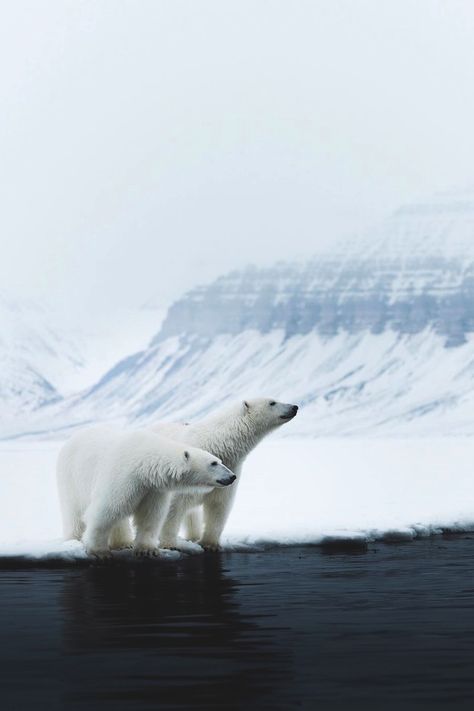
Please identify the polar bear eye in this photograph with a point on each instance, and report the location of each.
(213, 464)
(272, 403)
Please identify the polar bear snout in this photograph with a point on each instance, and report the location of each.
(227, 481)
(225, 477)
(290, 412)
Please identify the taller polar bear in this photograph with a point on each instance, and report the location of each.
(230, 435)
(106, 475)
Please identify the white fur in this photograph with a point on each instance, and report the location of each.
(229, 435)
(106, 475)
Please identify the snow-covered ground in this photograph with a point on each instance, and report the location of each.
(293, 491)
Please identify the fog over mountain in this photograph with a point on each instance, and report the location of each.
(375, 337)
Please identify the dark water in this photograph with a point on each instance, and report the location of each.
(392, 627)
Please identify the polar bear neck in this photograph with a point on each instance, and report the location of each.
(157, 462)
(230, 435)
(160, 473)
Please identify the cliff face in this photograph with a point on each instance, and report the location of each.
(417, 273)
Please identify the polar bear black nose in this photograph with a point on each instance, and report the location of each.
(226, 482)
(290, 413)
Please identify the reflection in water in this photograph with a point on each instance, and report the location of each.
(285, 628)
(165, 635)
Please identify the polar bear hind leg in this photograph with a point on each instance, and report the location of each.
(100, 520)
(193, 525)
(73, 526)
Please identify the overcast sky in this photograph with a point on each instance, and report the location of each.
(149, 145)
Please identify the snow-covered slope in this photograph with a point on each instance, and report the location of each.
(376, 337)
(33, 356)
(347, 384)
(42, 360)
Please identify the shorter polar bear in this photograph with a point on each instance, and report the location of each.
(106, 475)
(230, 435)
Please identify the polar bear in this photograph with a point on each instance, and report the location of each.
(106, 474)
(230, 435)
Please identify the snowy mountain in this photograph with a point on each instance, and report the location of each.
(419, 272)
(377, 337)
(42, 360)
(33, 356)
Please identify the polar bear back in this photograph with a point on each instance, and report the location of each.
(103, 454)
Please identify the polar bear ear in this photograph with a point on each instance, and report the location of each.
(186, 454)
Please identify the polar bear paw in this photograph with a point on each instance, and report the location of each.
(99, 553)
(121, 546)
(146, 551)
(181, 545)
(169, 543)
(210, 546)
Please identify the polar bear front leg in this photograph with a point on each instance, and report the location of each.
(217, 506)
(149, 518)
(172, 524)
(121, 536)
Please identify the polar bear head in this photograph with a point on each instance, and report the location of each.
(266, 413)
(201, 469)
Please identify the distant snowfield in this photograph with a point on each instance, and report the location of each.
(292, 492)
